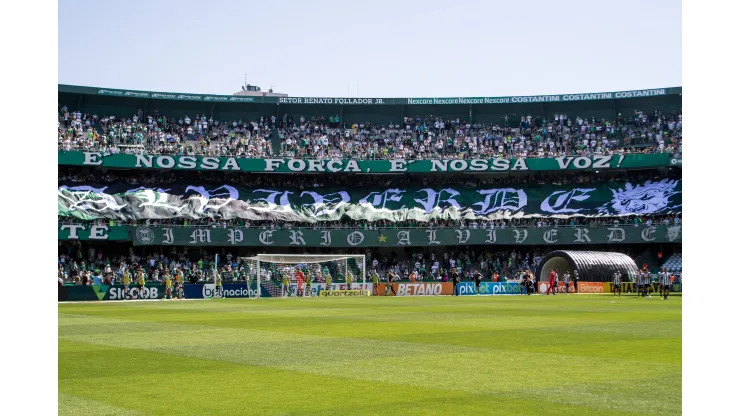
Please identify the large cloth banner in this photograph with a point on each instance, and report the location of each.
(122, 201)
(283, 165)
(385, 237)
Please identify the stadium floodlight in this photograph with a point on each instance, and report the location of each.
(284, 275)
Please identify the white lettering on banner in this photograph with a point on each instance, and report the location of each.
(326, 200)
(89, 198)
(439, 165)
(432, 236)
(99, 232)
(296, 238)
(236, 236)
(231, 164)
(93, 158)
(404, 238)
(117, 293)
(434, 199)
(462, 236)
(209, 163)
(520, 164)
(167, 162)
(458, 165)
(536, 99)
(478, 165)
(316, 165)
(167, 235)
(325, 238)
(582, 162)
(616, 235)
(72, 230)
(501, 199)
(419, 289)
(602, 162)
(270, 199)
(200, 236)
(186, 162)
(520, 235)
(596, 96)
(641, 93)
(352, 166)
(296, 165)
(156, 198)
(491, 237)
(564, 199)
(330, 166)
(564, 162)
(550, 236)
(379, 199)
(398, 165)
(209, 292)
(465, 289)
(648, 234)
(500, 164)
(272, 164)
(355, 238)
(204, 199)
(265, 237)
(582, 235)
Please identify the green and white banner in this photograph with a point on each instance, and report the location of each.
(220, 201)
(384, 237)
(281, 165)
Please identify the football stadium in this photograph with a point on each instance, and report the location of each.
(265, 254)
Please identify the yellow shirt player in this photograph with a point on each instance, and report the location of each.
(179, 279)
(286, 285)
(327, 279)
(376, 282)
(168, 286)
(219, 285)
(126, 279)
(348, 280)
(141, 282)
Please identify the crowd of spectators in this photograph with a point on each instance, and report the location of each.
(414, 138)
(86, 175)
(81, 263)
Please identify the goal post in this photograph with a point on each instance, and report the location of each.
(286, 275)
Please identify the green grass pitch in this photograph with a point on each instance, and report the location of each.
(502, 355)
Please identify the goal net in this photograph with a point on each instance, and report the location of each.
(283, 275)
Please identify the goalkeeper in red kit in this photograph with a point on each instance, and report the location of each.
(552, 285)
(300, 278)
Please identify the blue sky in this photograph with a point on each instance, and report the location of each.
(372, 49)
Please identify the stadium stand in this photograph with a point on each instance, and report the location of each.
(418, 138)
(673, 263)
(448, 221)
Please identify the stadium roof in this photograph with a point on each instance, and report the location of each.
(215, 98)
